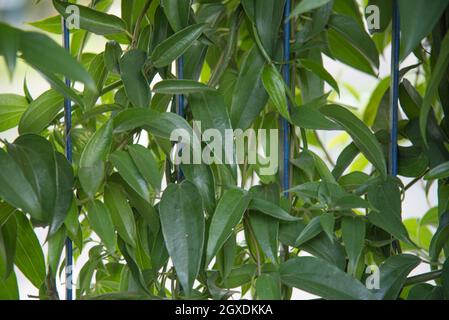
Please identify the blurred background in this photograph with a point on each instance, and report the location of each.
(356, 91)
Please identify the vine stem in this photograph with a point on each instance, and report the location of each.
(433, 275)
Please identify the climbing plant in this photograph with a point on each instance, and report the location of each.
(154, 228)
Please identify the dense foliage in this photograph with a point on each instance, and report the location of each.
(224, 228)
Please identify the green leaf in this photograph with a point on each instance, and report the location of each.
(445, 279)
(12, 107)
(312, 229)
(126, 167)
(438, 72)
(353, 233)
(121, 213)
(9, 289)
(265, 230)
(173, 87)
(92, 20)
(202, 177)
(307, 6)
(9, 44)
(393, 275)
(101, 222)
(249, 96)
(38, 49)
(274, 84)
(29, 256)
(439, 172)
(267, 20)
(41, 112)
(146, 163)
(136, 85)
(440, 237)
(268, 287)
(56, 244)
(8, 242)
(318, 277)
(112, 54)
(271, 209)
(51, 24)
(385, 198)
(99, 73)
(173, 47)
(92, 163)
(426, 13)
(177, 12)
(183, 227)
(356, 36)
(48, 174)
(360, 133)
(321, 72)
(327, 222)
(229, 212)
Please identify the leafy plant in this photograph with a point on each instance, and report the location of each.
(209, 231)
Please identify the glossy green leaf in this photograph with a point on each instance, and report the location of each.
(173, 87)
(353, 233)
(267, 20)
(271, 209)
(8, 242)
(126, 167)
(360, 133)
(227, 215)
(439, 172)
(92, 20)
(440, 237)
(12, 107)
(268, 287)
(121, 213)
(306, 6)
(131, 71)
(112, 54)
(92, 162)
(393, 274)
(177, 12)
(426, 13)
(101, 222)
(146, 163)
(249, 96)
(274, 84)
(29, 256)
(321, 72)
(173, 47)
(432, 88)
(41, 112)
(318, 277)
(312, 229)
(202, 177)
(385, 198)
(183, 227)
(9, 289)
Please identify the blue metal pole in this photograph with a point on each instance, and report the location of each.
(180, 100)
(287, 76)
(395, 48)
(68, 151)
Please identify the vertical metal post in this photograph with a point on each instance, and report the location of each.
(68, 151)
(287, 76)
(180, 101)
(394, 94)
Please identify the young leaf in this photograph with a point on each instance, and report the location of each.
(271, 209)
(183, 226)
(229, 212)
